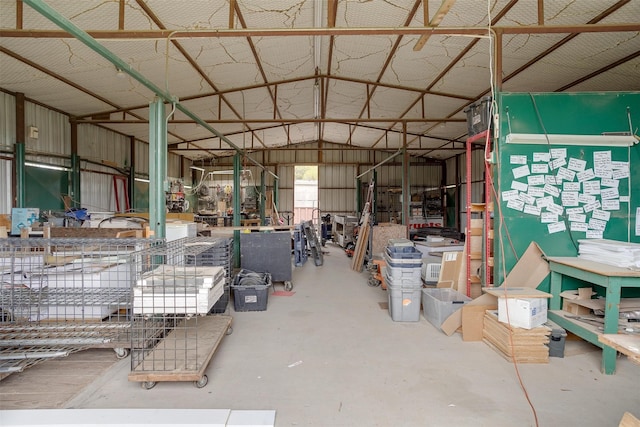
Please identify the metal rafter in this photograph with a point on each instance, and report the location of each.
(368, 31)
(412, 13)
(258, 62)
(186, 55)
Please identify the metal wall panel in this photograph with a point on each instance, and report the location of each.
(54, 131)
(7, 180)
(336, 188)
(96, 190)
(142, 157)
(97, 144)
(173, 166)
(7, 121)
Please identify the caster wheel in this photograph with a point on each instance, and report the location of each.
(229, 331)
(288, 286)
(121, 353)
(148, 385)
(201, 382)
(373, 282)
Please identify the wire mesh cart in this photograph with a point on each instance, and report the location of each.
(172, 336)
(59, 296)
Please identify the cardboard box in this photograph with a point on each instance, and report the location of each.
(571, 300)
(450, 269)
(526, 313)
(529, 271)
(473, 320)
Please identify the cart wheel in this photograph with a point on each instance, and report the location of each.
(373, 282)
(121, 353)
(288, 285)
(201, 382)
(229, 331)
(148, 385)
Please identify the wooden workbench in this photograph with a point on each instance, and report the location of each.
(612, 278)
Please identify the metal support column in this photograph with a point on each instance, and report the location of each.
(20, 181)
(275, 194)
(263, 196)
(358, 195)
(236, 208)
(374, 201)
(75, 180)
(132, 174)
(157, 167)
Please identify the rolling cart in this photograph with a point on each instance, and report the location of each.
(268, 253)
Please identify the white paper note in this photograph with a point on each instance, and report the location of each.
(521, 171)
(530, 200)
(594, 234)
(611, 205)
(544, 201)
(515, 204)
(535, 191)
(558, 153)
(620, 173)
(578, 226)
(518, 160)
(577, 164)
(578, 218)
(597, 224)
(556, 227)
(612, 183)
(565, 174)
(520, 186)
(586, 175)
(540, 168)
(586, 198)
(536, 180)
(602, 160)
(569, 198)
(541, 157)
(532, 210)
(624, 199)
(609, 193)
(548, 217)
(591, 187)
(552, 190)
(590, 207)
(510, 195)
(601, 215)
(638, 221)
(550, 179)
(556, 163)
(554, 208)
(570, 186)
(619, 165)
(572, 211)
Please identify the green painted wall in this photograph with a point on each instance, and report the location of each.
(561, 113)
(45, 188)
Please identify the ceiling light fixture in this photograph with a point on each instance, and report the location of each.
(196, 168)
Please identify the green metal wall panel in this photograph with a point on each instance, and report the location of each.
(45, 188)
(570, 114)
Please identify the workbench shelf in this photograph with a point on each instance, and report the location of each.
(612, 278)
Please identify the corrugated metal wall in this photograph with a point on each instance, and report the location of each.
(336, 188)
(7, 140)
(477, 180)
(7, 121)
(54, 134)
(97, 192)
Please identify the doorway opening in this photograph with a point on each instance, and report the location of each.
(305, 193)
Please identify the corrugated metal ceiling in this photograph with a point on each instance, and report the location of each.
(262, 90)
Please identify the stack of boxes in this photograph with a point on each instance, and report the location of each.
(403, 279)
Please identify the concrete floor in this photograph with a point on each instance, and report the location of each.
(331, 356)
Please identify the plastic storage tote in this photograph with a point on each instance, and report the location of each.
(404, 303)
(251, 291)
(440, 303)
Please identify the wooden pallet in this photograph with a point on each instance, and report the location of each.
(523, 345)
